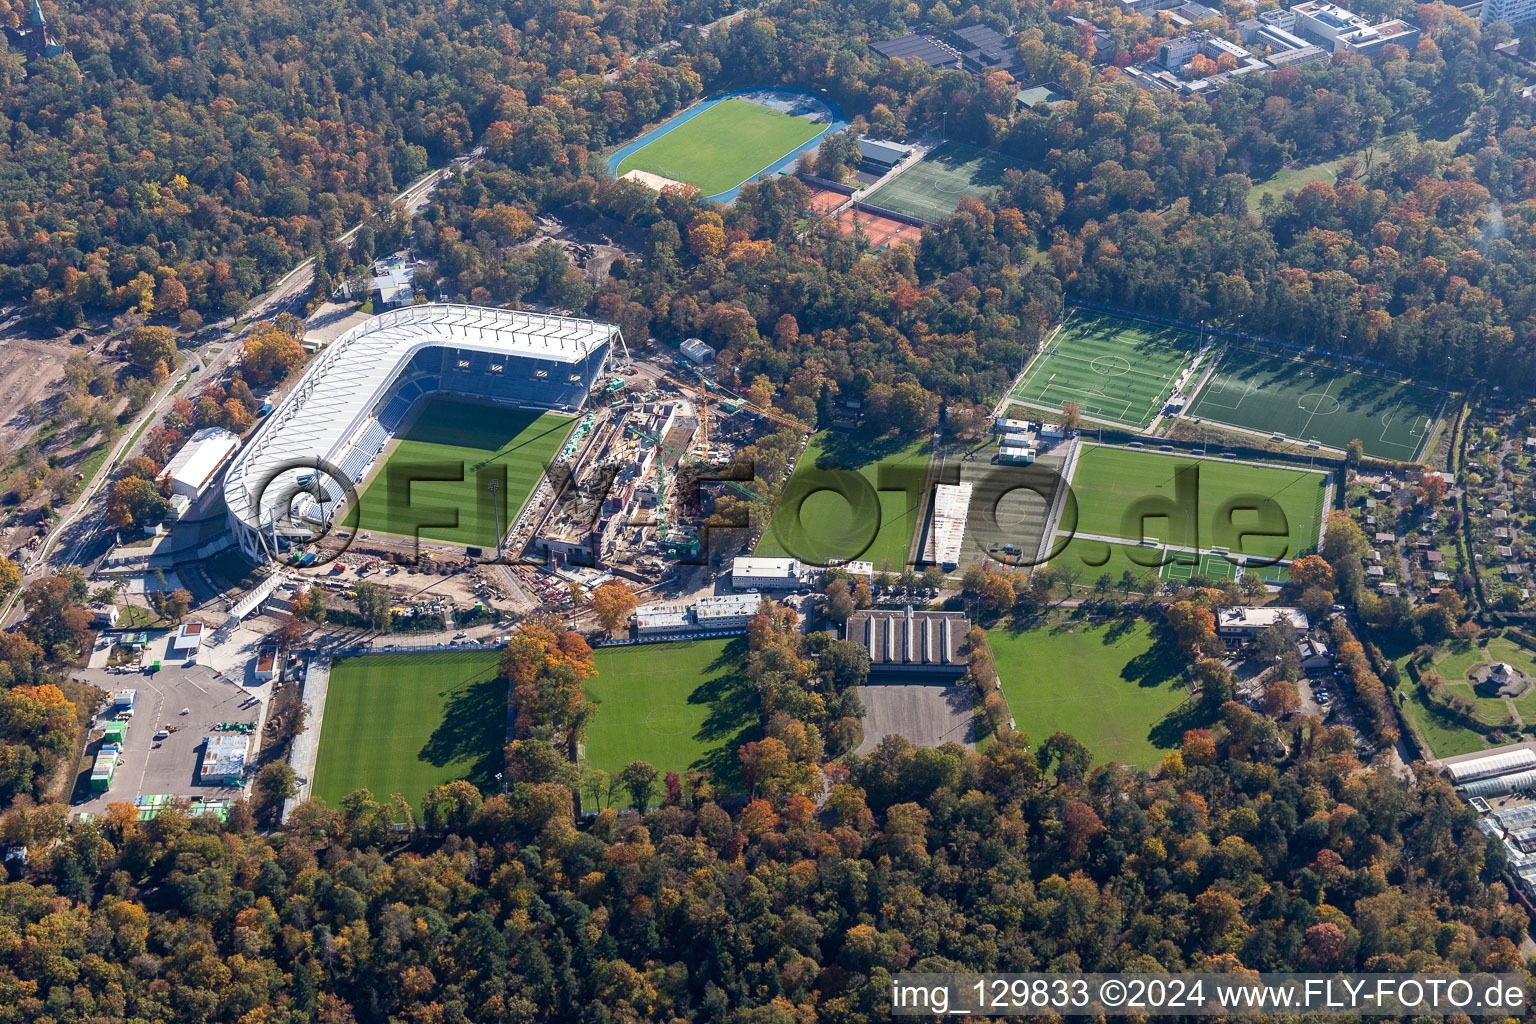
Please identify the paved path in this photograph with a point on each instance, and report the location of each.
(306, 745)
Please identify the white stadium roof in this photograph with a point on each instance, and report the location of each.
(350, 375)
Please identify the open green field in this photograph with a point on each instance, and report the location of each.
(1446, 736)
(1191, 502)
(403, 723)
(455, 437)
(828, 528)
(676, 706)
(1093, 558)
(1276, 391)
(723, 146)
(1117, 687)
(932, 188)
(1118, 369)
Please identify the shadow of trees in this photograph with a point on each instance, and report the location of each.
(474, 726)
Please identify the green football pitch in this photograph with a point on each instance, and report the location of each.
(723, 146)
(1274, 391)
(932, 188)
(403, 723)
(1118, 369)
(472, 441)
(828, 528)
(1116, 687)
(1266, 512)
(676, 706)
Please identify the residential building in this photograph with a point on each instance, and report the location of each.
(910, 642)
(1236, 622)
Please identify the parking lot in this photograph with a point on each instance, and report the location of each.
(171, 767)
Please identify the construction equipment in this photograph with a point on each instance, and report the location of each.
(743, 401)
(682, 457)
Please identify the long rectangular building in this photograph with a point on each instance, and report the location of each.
(951, 504)
(1462, 772)
(766, 573)
(909, 641)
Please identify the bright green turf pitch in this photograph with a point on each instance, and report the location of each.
(403, 723)
(1275, 391)
(724, 146)
(675, 706)
(828, 528)
(1115, 487)
(932, 188)
(448, 434)
(1116, 687)
(1118, 369)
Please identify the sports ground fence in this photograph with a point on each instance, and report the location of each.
(904, 218)
(1195, 326)
(826, 183)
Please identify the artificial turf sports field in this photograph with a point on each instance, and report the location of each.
(1115, 487)
(450, 433)
(723, 146)
(1274, 391)
(1118, 369)
(827, 528)
(1094, 558)
(1116, 687)
(932, 188)
(403, 723)
(674, 705)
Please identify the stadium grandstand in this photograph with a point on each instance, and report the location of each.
(359, 390)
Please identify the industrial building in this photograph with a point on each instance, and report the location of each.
(910, 642)
(946, 529)
(1237, 623)
(223, 762)
(767, 573)
(199, 461)
(696, 351)
(921, 48)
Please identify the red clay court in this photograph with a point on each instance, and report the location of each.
(823, 200)
(882, 232)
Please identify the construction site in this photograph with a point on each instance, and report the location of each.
(632, 499)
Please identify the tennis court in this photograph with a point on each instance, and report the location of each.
(1276, 391)
(1118, 369)
(880, 232)
(932, 188)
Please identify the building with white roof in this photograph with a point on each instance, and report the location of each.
(355, 393)
(199, 461)
(726, 611)
(651, 619)
(951, 505)
(1489, 765)
(1236, 622)
(767, 573)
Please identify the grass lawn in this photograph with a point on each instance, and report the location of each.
(1457, 662)
(723, 146)
(1093, 558)
(1117, 369)
(828, 527)
(403, 723)
(1123, 492)
(1115, 686)
(458, 438)
(1446, 736)
(1277, 391)
(676, 706)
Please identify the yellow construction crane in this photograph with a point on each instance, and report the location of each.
(710, 385)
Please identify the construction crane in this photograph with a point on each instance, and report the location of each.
(682, 457)
(712, 385)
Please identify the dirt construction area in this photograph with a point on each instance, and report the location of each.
(30, 371)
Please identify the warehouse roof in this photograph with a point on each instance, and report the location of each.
(202, 455)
